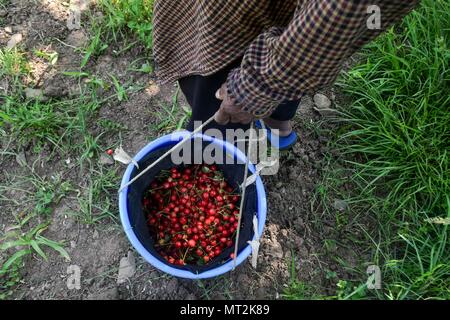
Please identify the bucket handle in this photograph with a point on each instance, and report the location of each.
(167, 153)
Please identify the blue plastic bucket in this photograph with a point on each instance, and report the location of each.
(167, 141)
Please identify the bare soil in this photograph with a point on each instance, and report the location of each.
(296, 227)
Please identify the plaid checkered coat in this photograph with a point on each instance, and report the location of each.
(289, 47)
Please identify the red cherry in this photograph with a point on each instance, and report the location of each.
(192, 243)
(191, 208)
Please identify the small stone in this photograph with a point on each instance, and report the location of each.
(323, 106)
(8, 29)
(95, 235)
(106, 160)
(340, 205)
(35, 94)
(321, 101)
(15, 39)
(73, 244)
(153, 89)
(127, 268)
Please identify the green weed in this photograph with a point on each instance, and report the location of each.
(132, 15)
(172, 117)
(395, 144)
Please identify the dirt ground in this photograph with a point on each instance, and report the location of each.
(296, 228)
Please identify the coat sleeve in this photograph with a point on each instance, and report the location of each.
(284, 64)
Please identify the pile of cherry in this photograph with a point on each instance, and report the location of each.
(192, 214)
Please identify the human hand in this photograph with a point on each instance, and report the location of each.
(229, 111)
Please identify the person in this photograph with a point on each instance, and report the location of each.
(243, 60)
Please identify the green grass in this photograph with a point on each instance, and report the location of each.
(64, 129)
(296, 289)
(123, 21)
(96, 46)
(394, 140)
(171, 117)
(12, 63)
(68, 134)
(99, 200)
(33, 120)
(32, 216)
(13, 66)
(123, 16)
